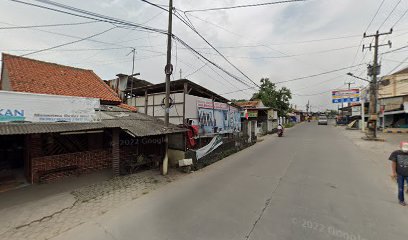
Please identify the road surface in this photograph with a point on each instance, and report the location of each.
(314, 183)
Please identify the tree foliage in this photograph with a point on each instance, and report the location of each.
(271, 96)
(238, 100)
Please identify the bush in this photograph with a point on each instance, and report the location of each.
(289, 125)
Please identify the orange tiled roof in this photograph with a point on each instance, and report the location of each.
(127, 107)
(29, 75)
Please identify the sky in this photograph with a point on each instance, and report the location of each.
(285, 42)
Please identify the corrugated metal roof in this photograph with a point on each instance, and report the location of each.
(30, 128)
(135, 123)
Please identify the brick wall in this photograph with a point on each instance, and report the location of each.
(87, 162)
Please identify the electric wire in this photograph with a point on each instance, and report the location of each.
(48, 25)
(68, 43)
(389, 15)
(243, 6)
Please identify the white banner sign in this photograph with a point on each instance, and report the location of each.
(215, 143)
(16, 106)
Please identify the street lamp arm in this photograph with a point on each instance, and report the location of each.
(354, 76)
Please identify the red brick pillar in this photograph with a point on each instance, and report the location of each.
(34, 150)
(34, 146)
(115, 152)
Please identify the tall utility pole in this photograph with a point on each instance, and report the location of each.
(349, 87)
(349, 84)
(307, 108)
(133, 71)
(373, 71)
(168, 70)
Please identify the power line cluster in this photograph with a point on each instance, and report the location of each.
(183, 16)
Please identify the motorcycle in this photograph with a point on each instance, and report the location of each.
(280, 132)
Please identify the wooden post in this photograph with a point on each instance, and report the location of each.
(146, 101)
(184, 101)
(115, 152)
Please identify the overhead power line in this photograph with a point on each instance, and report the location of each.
(319, 74)
(400, 18)
(399, 65)
(389, 15)
(375, 15)
(189, 24)
(208, 60)
(88, 15)
(215, 49)
(102, 18)
(368, 26)
(243, 6)
(48, 25)
(284, 56)
(395, 50)
(299, 78)
(240, 90)
(68, 43)
(195, 71)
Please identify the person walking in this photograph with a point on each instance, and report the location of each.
(399, 169)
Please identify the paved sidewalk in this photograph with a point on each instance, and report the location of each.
(53, 215)
(381, 150)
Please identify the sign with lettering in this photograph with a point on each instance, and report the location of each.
(29, 107)
(251, 113)
(346, 96)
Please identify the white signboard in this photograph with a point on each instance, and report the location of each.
(16, 106)
(356, 111)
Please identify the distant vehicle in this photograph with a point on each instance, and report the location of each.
(322, 120)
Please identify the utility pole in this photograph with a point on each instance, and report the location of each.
(169, 68)
(133, 70)
(349, 84)
(168, 71)
(307, 109)
(181, 71)
(373, 71)
(349, 87)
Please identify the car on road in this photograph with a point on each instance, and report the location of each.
(322, 120)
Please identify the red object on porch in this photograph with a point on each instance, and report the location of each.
(191, 133)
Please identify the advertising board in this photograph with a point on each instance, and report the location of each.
(346, 96)
(16, 106)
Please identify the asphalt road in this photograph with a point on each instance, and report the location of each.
(311, 184)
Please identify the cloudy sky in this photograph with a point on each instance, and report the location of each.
(282, 42)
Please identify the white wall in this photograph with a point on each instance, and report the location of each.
(155, 107)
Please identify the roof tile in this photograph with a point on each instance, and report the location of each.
(29, 75)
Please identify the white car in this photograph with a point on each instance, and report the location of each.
(322, 120)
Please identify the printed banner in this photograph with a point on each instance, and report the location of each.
(222, 119)
(214, 144)
(346, 96)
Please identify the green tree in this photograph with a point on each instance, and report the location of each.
(238, 100)
(278, 99)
